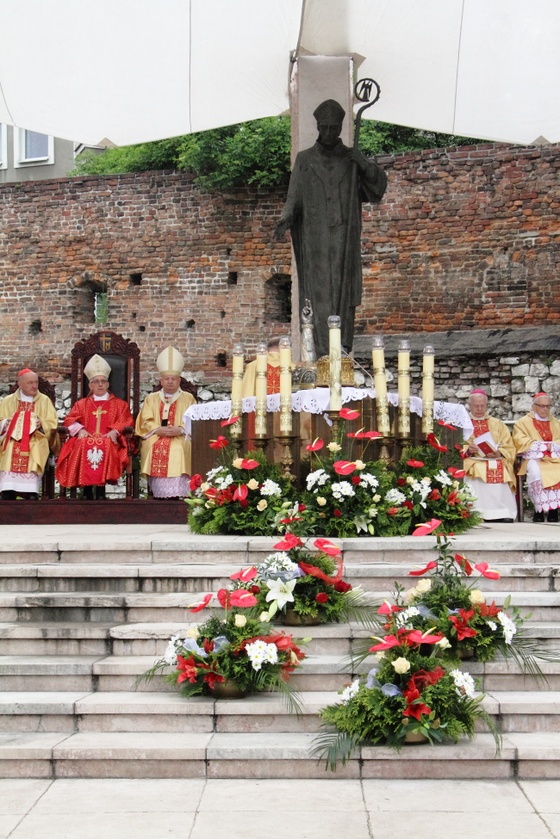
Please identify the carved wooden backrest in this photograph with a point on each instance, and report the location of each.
(121, 354)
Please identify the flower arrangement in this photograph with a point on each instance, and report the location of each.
(238, 650)
(346, 497)
(446, 600)
(409, 696)
(305, 587)
(241, 495)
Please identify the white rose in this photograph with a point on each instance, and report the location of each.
(476, 596)
(237, 462)
(376, 499)
(401, 665)
(204, 486)
(192, 631)
(252, 484)
(321, 501)
(240, 620)
(422, 586)
(262, 505)
(359, 464)
(333, 447)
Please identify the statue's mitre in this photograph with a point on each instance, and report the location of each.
(97, 366)
(170, 362)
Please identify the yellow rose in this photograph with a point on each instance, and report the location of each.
(333, 447)
(321, 501)
(252, 484)
(422, 586)
(477, 596)
(237, 462)
(359, 464)
(401, 665)
(240, 620)
(262, 505)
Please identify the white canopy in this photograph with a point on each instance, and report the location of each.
(138, 70)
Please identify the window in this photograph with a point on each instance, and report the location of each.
(33, 148)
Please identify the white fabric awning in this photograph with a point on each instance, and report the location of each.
(138, 70)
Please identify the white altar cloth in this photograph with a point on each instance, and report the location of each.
(316, 401)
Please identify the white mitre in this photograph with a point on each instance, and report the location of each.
(170, 362)
(97, 366)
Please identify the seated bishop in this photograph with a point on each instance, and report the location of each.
(489, 463)
(165, 451)
(28, 423)
(537, 439)
(95, 453)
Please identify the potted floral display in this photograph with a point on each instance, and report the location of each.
(305, 587)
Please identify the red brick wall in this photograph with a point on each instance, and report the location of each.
(464, 237)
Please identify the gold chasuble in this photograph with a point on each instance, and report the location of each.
(24, 448)
(94, 460)
(498, 469)
(528, 430)
(164, 457)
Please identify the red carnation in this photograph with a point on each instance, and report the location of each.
(322, 597)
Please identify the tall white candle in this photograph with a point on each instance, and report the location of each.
(236, 388)
(285, 347)
(380, 385)
(428, 390)
(260, 391)
(404, 389)
(335, 363)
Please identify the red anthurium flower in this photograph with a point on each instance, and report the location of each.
(230, 421)
(426, 528)
(348, 414)
(242, 599)
(435, 444)
(249, 463)
(327, 547)
(388, 608)
(290, 519)
(219, 443)
(241, 492)
(463, 563)
(364, 435)
(343, 467)
(198, 607)
(316, 572)
(456, 473)
(428, 567)
(245, 575)
(446, 425)
(388, 642)
(415, 636)
(288, 542)
(223, 598)
(415, 464)
(486, 572)
(315, 446)
(195, 482)
(322, 597)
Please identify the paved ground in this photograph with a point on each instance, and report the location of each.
(278, 809)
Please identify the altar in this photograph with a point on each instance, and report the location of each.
(310, 420)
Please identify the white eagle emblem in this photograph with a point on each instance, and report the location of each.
(95, 456)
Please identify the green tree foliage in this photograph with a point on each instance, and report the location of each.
(253, 153)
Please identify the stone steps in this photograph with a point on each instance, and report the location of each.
(84, 616)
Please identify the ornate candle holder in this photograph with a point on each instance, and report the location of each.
(287, 461)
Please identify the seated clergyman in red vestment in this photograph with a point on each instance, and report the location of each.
(165, 451)
(537, 439)
(95, 453)
(28, 423)
(489, 463)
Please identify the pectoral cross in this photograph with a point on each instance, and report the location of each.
(98, 414)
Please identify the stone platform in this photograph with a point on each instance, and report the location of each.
(84, 611)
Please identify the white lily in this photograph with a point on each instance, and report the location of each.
(281, 592)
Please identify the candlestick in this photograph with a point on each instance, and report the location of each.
(335, 363)
(238, 356)
(403, 424)
(380, 385)
(260, 390)
(285, 347)
(428, 390)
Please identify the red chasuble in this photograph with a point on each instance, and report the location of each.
(94, 460)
